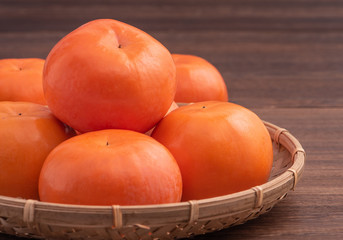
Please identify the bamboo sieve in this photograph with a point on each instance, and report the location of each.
(30, 218)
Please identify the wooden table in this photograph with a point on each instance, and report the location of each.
(282, 59)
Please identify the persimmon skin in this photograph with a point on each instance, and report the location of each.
(198, 80)
(110, 167)
(108, 74)
(171, 108)
(28, 132)
(21, 80)
(221, 148)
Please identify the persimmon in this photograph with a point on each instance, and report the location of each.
(221, 148)
(198, 80)
(108, 74)
(109, 167)
(28, 132)
(21, 80)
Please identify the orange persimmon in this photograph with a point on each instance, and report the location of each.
(220, 147)
(108, 74)
(110, 167)
(198, 80)
(28, 132)
(21, 80)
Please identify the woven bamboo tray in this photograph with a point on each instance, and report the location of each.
(37, 219)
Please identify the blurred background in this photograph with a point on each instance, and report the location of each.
(257, 45)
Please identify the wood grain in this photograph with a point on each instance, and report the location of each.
(271, 53)
(282, 59)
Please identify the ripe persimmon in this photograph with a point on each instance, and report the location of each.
(108, 74)
(110, 167)
(220, 147)
(198, 80)
(21, 80)
(28, 132)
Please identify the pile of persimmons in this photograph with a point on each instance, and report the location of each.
(98, 123)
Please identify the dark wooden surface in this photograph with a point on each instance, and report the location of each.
(282, 59)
